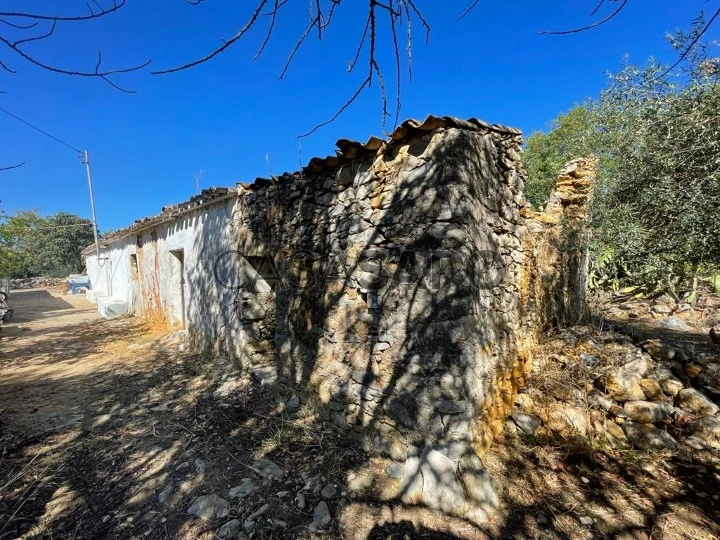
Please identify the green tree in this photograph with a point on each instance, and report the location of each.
(58, 243)
(656, 211)
(570, 136)
(658, 200)
(31, 245)
(17, 258)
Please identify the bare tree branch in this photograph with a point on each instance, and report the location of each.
(12, 167)
(688, 48)
(38, 37)
(59, 18)
(469, 9)
(19, 26)
(13, 18)
(597, 8)
(225, 45)
(102, 74)
(273, 15)
(4, 66)
(365, 84)
(612, 15)
(384, 20)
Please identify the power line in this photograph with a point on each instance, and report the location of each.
(85, 159)
(70, 146)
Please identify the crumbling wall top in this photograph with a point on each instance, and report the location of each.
(352, 151)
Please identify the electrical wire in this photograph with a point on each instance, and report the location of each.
(70, 146)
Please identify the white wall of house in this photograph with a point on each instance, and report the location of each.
(185, 293)
(115, 264)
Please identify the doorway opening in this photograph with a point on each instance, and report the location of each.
(178, 284)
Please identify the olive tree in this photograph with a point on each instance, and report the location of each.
(656, 209)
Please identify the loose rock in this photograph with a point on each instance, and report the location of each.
(209, 507)
(646, 412)
(477, 482)
(624, 385)
(259, 512)
(696, 402)
(231, 529)
(707, 429)
(269, 469)
(528, 423)
(328, 492)
(441, 490)
(652, 389)
(164, 495)
(671, 385)
(245, 489)
(647, 437)
(673, 323)
(265, 375)
(321, 517)
(293, 403)
(566, 420)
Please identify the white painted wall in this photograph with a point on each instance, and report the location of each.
(115, 264)
(203, 236)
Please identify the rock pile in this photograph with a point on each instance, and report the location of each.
(35, 282)
(650, 396)
(244, 512)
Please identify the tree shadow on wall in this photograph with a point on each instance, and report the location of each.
(385, 301)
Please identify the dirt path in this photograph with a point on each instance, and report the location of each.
(42, 344)
(110, 431)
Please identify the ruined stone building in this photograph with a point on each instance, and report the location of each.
(399, 285)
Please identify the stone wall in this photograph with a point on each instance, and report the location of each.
(555, 273)
(384, 284)
(395, 286)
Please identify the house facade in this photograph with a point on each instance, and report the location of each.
(142, 269)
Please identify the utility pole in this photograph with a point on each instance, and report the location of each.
(85, 159)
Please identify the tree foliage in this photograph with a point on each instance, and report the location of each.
(546, 153)
(31, 245)
(16, 256)
(656, 212)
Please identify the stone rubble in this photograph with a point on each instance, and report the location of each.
(634, 397)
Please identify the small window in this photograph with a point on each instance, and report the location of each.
(133, 266)
(266, 276)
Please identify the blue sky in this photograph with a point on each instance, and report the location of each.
(235, 120)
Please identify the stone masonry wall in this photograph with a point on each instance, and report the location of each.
(384, 284)
(396, 287)
(555, 272)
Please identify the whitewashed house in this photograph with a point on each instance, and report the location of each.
(161, 267)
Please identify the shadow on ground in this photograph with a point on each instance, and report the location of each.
(137, 420)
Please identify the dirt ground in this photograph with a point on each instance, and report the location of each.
(108, 430)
